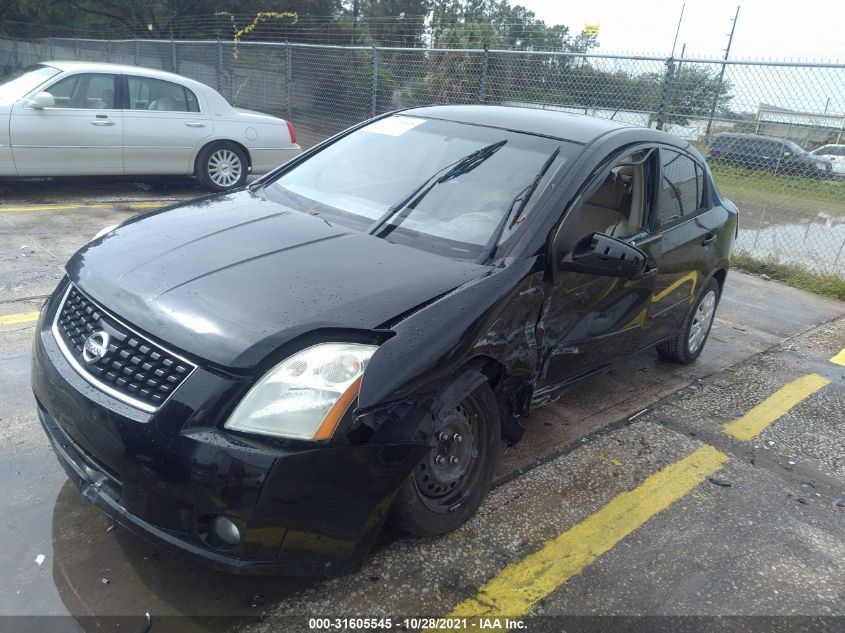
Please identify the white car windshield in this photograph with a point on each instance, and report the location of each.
(21, 82)
(445, 187)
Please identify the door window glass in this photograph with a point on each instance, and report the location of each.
(146, 93)
(680, 192)
(618, 207)
(84, 91)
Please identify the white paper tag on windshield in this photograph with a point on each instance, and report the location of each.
(394, 125)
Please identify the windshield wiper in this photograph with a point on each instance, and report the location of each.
(459, 167)
(522, 199)
(525, 195)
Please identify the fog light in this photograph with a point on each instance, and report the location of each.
(226, 531)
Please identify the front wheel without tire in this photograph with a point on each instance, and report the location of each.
(689, 342)
(450, 482)
(222, 166)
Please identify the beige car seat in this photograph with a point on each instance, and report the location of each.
(615, 208)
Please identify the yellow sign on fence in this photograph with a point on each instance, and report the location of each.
(591, 29)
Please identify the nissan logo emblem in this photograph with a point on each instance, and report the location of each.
(95, 347)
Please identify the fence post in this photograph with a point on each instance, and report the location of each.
(482, 85)
(289, 80)
(219, 66)
(667, 93)
(137, 50)
(173, 62)
(374, 86)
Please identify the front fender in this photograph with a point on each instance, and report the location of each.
(494, 316)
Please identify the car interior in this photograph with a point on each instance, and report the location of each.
(617, 207)
(84, 91)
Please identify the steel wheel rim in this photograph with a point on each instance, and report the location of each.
(224, 168)
(444, 487)
(701, 321)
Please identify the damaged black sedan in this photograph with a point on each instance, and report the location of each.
(260, 379)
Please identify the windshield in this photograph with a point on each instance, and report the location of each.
(20, 82)
(444, 187)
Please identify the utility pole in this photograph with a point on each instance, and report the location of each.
(678, 30)
(721, 76)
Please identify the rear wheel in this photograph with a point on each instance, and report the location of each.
(689, 342)
(222, 166)
(450, 482)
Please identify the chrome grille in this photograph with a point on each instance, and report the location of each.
(133, 368)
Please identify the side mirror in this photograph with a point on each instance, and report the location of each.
(42, 100)
(600, 254)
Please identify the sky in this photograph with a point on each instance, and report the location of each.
(801, 29)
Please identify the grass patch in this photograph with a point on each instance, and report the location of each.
(826, 285)
(781, 192)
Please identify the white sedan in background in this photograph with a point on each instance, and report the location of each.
(836, 154)
(86, 119)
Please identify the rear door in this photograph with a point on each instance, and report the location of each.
(165, 126)
(81, 135)
(689, 229)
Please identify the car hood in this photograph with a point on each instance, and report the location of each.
(231, 278)
(816, 158)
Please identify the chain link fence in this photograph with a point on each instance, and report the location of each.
(774, 132)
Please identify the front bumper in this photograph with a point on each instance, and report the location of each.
(301, 510)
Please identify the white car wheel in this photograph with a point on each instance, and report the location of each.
(222, 166)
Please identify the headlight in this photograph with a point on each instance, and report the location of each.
(304, 396)
(102, 232)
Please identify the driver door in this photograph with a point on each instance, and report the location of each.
(81, 135)
(592, 320)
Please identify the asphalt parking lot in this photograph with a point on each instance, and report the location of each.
(654, 490)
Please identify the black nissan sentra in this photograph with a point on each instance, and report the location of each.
(260, 379)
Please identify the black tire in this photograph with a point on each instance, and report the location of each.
(432, 501)
(222, 166)
(685, 348)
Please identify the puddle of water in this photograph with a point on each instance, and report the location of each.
(817, 245)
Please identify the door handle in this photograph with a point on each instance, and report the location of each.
(709, 239)
(194, 124)
(102, 123)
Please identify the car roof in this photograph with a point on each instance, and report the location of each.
(579, 128)
(69, 66)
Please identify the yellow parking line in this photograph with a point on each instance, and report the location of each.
(68, 207)
(20, 317)
(839, 359)
(53, 207)
(147, 205)
(521, 585)
(775, 406)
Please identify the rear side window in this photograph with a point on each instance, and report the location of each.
(86, 91)
(681, 187)
(146, 93)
